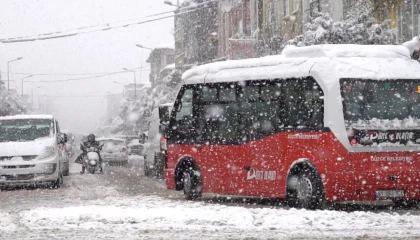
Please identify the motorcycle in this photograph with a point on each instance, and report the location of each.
(91, 158)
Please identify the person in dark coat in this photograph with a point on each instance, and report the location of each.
(91, 142)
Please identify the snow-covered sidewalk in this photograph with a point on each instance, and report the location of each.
(163, 217)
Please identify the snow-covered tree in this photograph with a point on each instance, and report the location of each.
(10, 104)
(361, 30)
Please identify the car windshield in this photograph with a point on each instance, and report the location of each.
(375, 104)
(112, 144)
(23, 130)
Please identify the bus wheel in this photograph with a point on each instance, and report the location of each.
(192, 184)
(305, 190)
(405, 204)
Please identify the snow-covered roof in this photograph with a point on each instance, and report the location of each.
(170, 45)
(368, 61)
(169, 67)
(27, 117)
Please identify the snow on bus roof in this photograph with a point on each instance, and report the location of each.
(40, 116)
(348, 51)
(293, 62)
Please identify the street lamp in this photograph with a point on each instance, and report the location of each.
(8, 70)
(141, 46)
(135, 85)
(23, 81)
(169, 2)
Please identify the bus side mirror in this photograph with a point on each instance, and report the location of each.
(163, 128)
(164, 114)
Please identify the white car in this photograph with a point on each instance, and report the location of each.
(155, 156)
(114, 150)
(31, 151)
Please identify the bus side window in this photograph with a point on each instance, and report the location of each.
(304, 103)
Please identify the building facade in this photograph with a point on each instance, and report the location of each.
(158, 59)
(254, 28)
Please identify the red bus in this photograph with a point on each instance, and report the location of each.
(334, 123)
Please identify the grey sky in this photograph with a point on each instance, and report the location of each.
(105, 51)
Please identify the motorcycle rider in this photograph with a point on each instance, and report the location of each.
(91, 142)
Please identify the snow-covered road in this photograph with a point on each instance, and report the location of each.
(122, 204)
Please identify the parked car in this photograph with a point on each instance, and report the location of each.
(114, 150)
(136, 148)
(32, 151)
(155, 158)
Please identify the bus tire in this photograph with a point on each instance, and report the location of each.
(307, 189)
(192, 184)
(405, 204)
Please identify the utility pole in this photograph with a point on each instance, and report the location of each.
(8, 70)
(22, 84)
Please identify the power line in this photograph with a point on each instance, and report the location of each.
(83, 78)
(64, 74)
(37, 38)
(87, 96)
(86, 27)
(49, 37)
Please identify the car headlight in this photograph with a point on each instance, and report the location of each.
(49, 168)
(48, 152)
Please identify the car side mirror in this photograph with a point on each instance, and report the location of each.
(62, 138)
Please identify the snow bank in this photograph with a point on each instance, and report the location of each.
(154, 213)
(6, 223)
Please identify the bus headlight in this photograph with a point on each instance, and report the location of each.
(48, 152)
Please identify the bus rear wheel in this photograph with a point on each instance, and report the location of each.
(192, 184)
(305, 190)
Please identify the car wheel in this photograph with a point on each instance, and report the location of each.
(67, 169)
(307, 192)
(59, 182)
(146, 170)
(91, 170)
(192, 184)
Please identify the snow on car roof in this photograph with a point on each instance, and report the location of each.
(110, 138)
(296, 62)
(40, 116)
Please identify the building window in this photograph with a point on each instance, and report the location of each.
(314, 7)
(286, 8)
(296, 5)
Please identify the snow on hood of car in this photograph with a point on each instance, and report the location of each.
(30, 148)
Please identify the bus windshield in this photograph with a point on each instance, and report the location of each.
(381, 104)
(23, 130)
